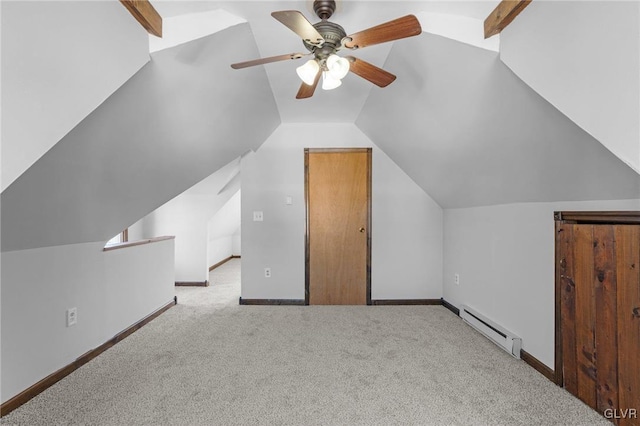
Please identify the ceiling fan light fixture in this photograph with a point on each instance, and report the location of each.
(337, 67)
(308, 71)
(325, 38)
(329, 82)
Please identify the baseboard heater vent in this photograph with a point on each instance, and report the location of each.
(496, 333)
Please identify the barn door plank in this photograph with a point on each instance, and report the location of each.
(585, 314)
(628, 277)
(605, 282)
(567, 306)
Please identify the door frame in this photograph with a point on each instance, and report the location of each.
(585, 218)
(308, 151)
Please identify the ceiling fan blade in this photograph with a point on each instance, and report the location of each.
(370, 72)
(306, 91)
(404, 27)
(268, 60)
(297, 23)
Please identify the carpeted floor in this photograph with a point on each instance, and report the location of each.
(209, 361)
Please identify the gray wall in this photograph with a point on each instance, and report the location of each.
(180, 118)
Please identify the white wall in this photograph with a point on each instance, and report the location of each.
(406, 228)
(583, 57)
(112, 290)
(187, 217)
(60, 60)
(219, 249)
(136, 231)
(221, 229)
(236, 242)
(505, 257)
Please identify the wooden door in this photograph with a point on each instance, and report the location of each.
(598, 274)
(338, 249)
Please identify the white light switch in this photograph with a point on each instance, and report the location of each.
(257, 216)
(288, 201)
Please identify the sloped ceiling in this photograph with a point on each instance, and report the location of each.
(273, 38)
(60, 60)
(462, 125)
(171, 125)
(471, 133)
(592, 76)
(466, 128)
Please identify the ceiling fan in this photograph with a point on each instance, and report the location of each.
(325, 38)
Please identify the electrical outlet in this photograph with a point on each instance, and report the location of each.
(267, 272)
(257, 216)
(456, 279)
(288, 200)
(72, 316)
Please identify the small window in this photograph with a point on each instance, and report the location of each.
(122, 237)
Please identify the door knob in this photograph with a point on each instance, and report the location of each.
(361, 229)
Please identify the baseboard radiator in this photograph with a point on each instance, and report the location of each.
(496, 333)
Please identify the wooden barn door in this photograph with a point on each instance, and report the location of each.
(598, 287)
(338, 249)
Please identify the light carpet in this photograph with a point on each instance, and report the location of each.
(210, 361)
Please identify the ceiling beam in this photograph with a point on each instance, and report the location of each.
(502, 16)
(145, 13)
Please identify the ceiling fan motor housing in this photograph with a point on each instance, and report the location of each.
(332, 34)
(324, 8)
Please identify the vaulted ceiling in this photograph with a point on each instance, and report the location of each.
(460, 123)
(272, 38)
(471, 133)
(167, 128)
